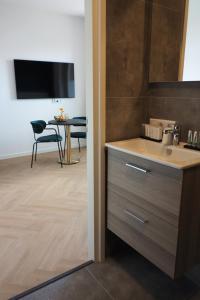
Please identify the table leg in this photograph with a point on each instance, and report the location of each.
(67, 156)
(68, 145)
(65, 143)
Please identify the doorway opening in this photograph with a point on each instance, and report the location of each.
(43, 209)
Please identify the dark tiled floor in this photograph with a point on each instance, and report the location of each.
(79, 285)
(124, 276)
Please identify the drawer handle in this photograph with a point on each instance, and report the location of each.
(127, 212)
(137, 168)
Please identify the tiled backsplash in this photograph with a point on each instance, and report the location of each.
(185, 111)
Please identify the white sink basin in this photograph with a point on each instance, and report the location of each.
(177, 157)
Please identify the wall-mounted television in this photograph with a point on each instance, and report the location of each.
(44, 80)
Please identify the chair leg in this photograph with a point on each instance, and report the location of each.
(65, 143)
(36, 152)
(32, 155)
(60, 143)
(79, 145)
(60, 154)
(62, 151)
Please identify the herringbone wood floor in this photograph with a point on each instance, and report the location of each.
(43, 221)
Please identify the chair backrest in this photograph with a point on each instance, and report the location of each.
(38, 126)
(80, 118)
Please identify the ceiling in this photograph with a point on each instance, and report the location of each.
(69, 7)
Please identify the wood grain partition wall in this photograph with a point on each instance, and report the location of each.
(130, 99)
(166, 33)
(125, 67)
(184, 40)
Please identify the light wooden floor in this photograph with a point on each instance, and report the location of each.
(43, 221)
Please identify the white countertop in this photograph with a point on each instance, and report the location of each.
(173, 156)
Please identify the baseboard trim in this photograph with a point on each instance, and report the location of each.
(22, 154)
(29, 153)
(50, 281)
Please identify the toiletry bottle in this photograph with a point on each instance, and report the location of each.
(198, 145)
(190, 137)
(195, 139)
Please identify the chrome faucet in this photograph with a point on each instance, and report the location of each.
(176, 134)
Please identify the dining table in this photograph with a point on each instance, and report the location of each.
(67, 152)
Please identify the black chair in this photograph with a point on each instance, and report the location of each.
(79, 134)
(38, 127)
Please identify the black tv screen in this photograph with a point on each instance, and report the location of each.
(38, 79)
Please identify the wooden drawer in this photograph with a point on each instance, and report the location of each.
(157, 255)
(153, 183)
(141, 221)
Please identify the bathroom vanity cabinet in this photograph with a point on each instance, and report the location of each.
(155, 208)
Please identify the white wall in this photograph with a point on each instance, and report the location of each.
(192, 51)
(35, 35)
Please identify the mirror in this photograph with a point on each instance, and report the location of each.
(175, 41)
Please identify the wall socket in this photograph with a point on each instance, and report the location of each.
(56, 100)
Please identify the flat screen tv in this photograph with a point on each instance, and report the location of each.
(44, 80)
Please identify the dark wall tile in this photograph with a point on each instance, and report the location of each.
(174, 89)
(177, 5)
(125, 47)
(124, 118)
(125, 67)
(166, 38)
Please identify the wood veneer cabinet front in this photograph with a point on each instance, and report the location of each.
(155, 209)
